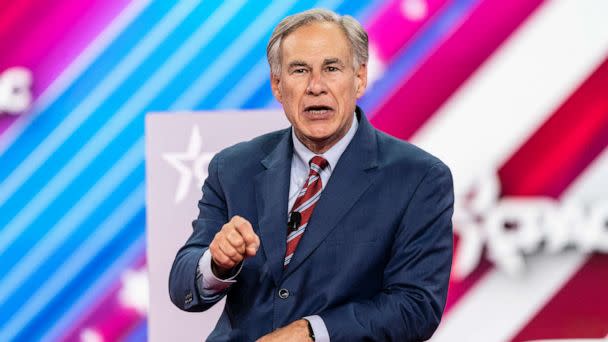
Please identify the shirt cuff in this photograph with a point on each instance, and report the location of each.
(318, 328)
(208, 284)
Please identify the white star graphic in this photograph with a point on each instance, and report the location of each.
(134, 291)
(90, 335)
(15, 92)
(190, 164)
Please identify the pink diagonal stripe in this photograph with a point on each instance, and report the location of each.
(50, 41)
(397, 22)
(39, 29)
(108, 316)
(440, 75)
(13, 13)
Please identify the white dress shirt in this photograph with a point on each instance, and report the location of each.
(211, 286)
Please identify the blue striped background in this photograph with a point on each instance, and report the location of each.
(72, 211)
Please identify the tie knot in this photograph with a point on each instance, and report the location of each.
(318, 162)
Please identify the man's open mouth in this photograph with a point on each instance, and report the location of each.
(317, 110)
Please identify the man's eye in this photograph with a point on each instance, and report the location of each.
(332, 69)
(299, 71)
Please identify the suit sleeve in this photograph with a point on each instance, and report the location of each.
(183, 288)
(416, 277)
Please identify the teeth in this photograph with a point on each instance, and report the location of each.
(317, 111)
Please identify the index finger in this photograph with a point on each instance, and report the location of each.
(246, 230)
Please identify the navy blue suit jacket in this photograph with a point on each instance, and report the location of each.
(374, 262)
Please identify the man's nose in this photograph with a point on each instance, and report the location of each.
(316, 84)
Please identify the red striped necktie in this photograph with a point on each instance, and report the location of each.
(304, 205)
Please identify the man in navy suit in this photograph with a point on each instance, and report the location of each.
(330, 229)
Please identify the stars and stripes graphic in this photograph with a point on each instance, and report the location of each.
(304, 205)
(512, 89)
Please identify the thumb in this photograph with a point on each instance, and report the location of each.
(252, 248)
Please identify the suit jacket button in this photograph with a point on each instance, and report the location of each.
(283, 293)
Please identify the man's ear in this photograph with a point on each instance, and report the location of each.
(275, 86)
(361, 80)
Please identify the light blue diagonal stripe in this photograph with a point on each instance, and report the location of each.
(295, 233)
(71, 221)
(245, 88)
(85, 253)
(214, 74)
(308, 203)
(97, 96)
(238, 95)
(119, 115)
(144, 95)
(118, 122)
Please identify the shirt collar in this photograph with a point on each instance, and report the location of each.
(333, 154)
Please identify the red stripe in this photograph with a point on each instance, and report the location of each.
(554, 155)
(565, 145)
(306, 214)
(313, 189)
(14, 13)
(435, 80)
(578, 134)
(579, 310)
(291, 245)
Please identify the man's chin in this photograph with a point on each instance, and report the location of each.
(318, 136)
(318, 143)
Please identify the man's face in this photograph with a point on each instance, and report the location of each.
(318, 86)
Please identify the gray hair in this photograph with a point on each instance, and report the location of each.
(353, 30)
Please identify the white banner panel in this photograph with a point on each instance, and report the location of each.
(178, 150)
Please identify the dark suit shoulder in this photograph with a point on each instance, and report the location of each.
(404, 156)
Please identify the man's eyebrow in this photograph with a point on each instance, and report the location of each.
(297, 63)
(334, 60)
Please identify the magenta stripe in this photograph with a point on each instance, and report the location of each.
(108, 316)
(55, 39)
(395, 24)
(440, 75)
(3, 5)
(12, 13)
(85, 29)
(38, 31)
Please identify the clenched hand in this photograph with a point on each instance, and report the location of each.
(232, 244)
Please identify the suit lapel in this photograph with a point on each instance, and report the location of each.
(351, 177)
(272, 191)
